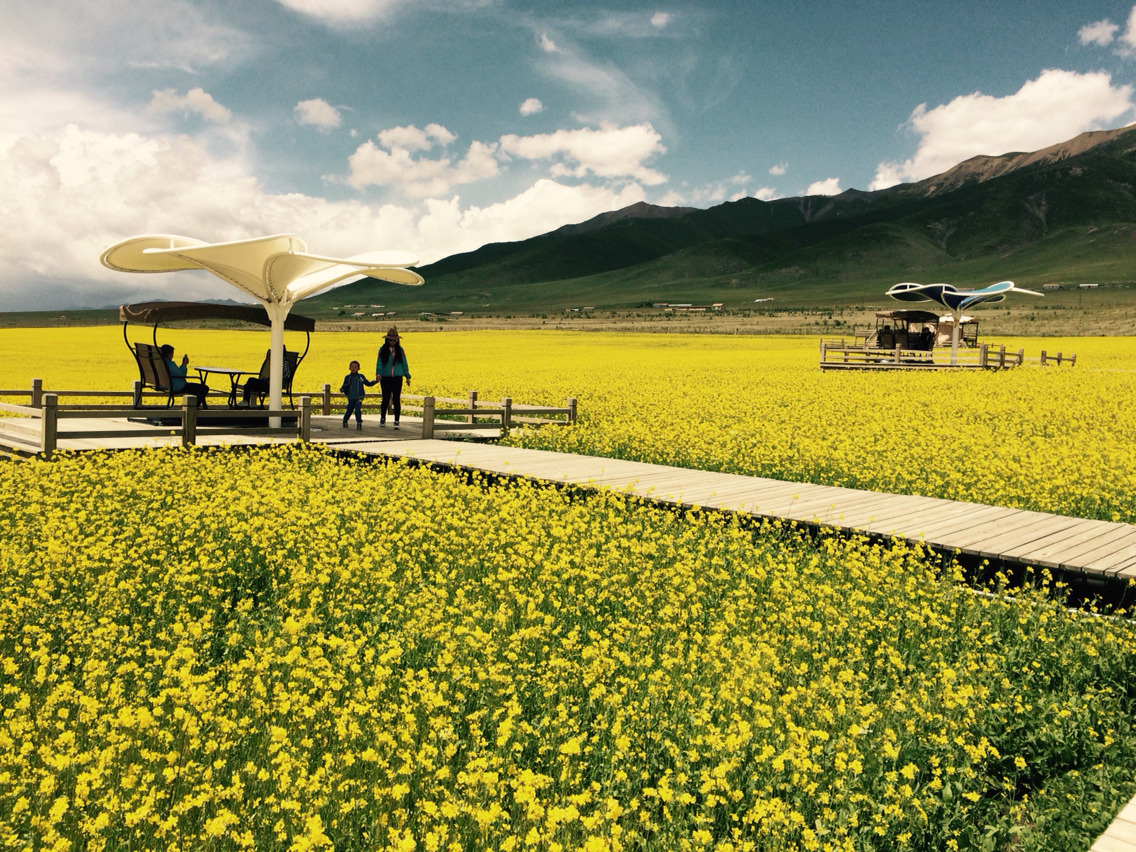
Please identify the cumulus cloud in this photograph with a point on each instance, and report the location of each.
(1105, 33)
(660, 19)
(547, 44)
(531, 106)
(392, 162)
(410, 138)
(196, 100)
(609, 152)
(1101, 33)
(828, 186)
(778, 169)
(1056, 106)
(319, 112)
(71, 193)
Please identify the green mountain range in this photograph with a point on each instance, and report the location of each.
(1066, 214)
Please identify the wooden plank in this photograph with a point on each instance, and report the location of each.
(868, 505)
(957, 520)
(923, 521)
(1106, 560)
(1067, 540)
(1109, 842)
(1022, 530)
(1125, 571)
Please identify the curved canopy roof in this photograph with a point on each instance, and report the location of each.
(953, 298)
(273, 270)
(159, 312)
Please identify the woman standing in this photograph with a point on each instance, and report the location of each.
(390, 369)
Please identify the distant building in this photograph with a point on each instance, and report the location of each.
(1088, 286)
(1050, 286)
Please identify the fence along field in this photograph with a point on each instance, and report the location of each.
(277, 648)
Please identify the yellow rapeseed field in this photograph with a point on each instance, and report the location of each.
(279, 649)
(282, 649)
(1057, 439)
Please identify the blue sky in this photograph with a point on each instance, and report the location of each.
(437, 127)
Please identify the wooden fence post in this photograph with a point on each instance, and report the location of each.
(1043, 357)
(982, 354)
(898, 359)
(37, 393)
(1002, 356)
(326, 409)
(50, 426)
(572, 410)
(189, 421)
(306, 418)
(472, 405)
(427, 417)
(507, 414)
(1021, 357)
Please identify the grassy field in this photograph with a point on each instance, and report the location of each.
(282, 649)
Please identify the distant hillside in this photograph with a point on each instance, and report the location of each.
(1066, 213)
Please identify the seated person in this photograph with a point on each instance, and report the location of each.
(177, 376)
(255, 386)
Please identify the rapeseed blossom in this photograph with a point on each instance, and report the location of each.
(1054, 439)
(280, 648)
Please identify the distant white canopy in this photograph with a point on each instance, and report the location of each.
(955, 299)
(277, 271)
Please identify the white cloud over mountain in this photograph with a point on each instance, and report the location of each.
(1056, 106)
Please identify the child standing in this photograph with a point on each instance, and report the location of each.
(353, 384)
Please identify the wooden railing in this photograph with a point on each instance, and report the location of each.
(835, 355)
(438, 414)
(190, 422)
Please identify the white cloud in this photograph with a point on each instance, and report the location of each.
(543, 207)
(766, 193)
(410, 138)
(71, 193)
(828, 186)
(196, 100)
(660, 19)
(531, 106)
(778, 169)
(340, 12)
(609, 152)
(394, 163)
(1101, 33)
(1056, 106)
(319, 112)
(547, 44)
(1129, 36)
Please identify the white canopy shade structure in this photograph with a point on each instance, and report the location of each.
(955, 300)
(277, 271)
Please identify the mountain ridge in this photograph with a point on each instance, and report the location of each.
(1035, 210)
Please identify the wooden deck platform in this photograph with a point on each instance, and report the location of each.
(1100, 549)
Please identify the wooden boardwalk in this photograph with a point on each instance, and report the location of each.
(1101, 549)
(1121, 834)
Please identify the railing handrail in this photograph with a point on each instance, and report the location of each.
(839, 353)
(45, 407)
